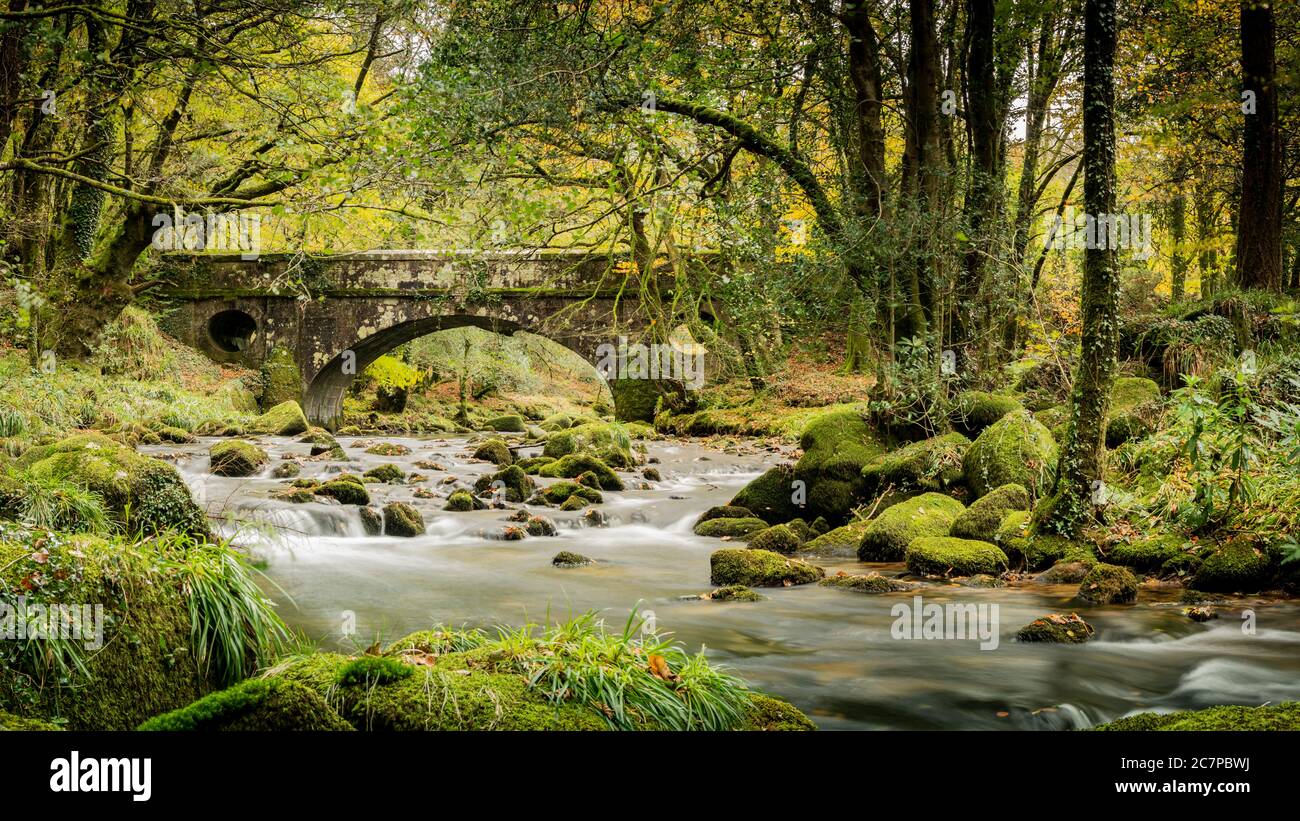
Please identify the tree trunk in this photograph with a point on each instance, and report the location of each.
(981, 195)
(1259, 234)
(1207, 261)
(925, 162)
(1177, 233)
(1082, 458)
(868, 171)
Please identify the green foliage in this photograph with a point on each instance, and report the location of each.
(52, 502)
(1221, 446)
(371, 670)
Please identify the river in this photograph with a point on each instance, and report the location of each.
(830, 652)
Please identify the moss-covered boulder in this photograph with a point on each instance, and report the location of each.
(734, 528)
(140, 655)
(760, 568)
(567, 558)
(607, 442)
(495, 451)
(946, 556)
(401, 519)
(973, 411)
(725, 512)
(1109, 584)
(770, 496)
(1134, 410)
(931, 464)
(236, 458)
(287, 469)
(576, 464)
(323, 443)
(254, 705)
(372, 521)
(861, 582)
(387, 473)
(462, 501)
(510, 482)
(840, 541)
(560, 492)
(887, 537)
(346, 490)
(734, 592)
(143, 494)
(1147, 555)
(509, 423)
(388, 449)
(637, 399)
(767, 714)
(985, 516)
(1234, 566)
(777, 538)
(1285, 716)
(533, 464)
(837, 445)
(1057, 628)
(1016, 449)
(284, 419)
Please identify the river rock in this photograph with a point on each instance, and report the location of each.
(236, 458)
(1057, 628)
(400, 519)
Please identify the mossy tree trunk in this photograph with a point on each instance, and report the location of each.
(1259, 232)
(1177, 235)
(1082, 458)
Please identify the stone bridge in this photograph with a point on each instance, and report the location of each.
(329, 317)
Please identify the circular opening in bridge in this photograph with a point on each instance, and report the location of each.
(231, 331)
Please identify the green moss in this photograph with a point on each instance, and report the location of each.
(534, 464)
(256, 704)
(1147, 554)
(983, 519)
(566, 558)
(285, 419)
(574, 502)
(1057, 629)
(725, 512)
(560, 492)
(576, 464)
(770, 714)
(604, 441)
(281, 379)
(735, 592)
(1235, 566)
(770, 496)
(973, 411)
(932, 464)
(1016, 449)
(12, 723)
(348, 491)
(366, 671)
(388, 449)
(1285, 716)
(735, 528)
(1041, 551)
(494, 451)
(838, 445)
(1109, 584)
(461, 501)
(861, 582)
(777, 538)
(236, 458)
(637, 399)
(1134, 410)
(509, 423)
(840, 541)
(400, 519)
(514, 484)
(148, 492)
(887, 537)
(946, 556)
(387, 473)
(759, 568)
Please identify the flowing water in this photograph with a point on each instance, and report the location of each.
(830, 652)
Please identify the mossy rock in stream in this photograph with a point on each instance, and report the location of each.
(725, 512)
(560, 492)
(946, 556)
(151, 659)
(576, 464)
(254, 705)
(236, 458)
(1147, 555)
(886, 538)
(1109, 584)
(509, 423)
(533, 464)
(734, 592)
(1056, 628)
(347, 491)
(605, 441)
(770, 496)
(495, 451)
(774, 715)
(777, 538)
(1234, 566)
(1016, 449)
(1135, 404)
(985, 516)
(387, 473)
(401, 519)
(862, 583)
(1285, 716)
(147, 491)
(842, 541)
(462, 501)
(973, 411)
(838, 445)
(759, 568)
(512, 482)
(734, 528)
(931, 464)
(285, 419)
